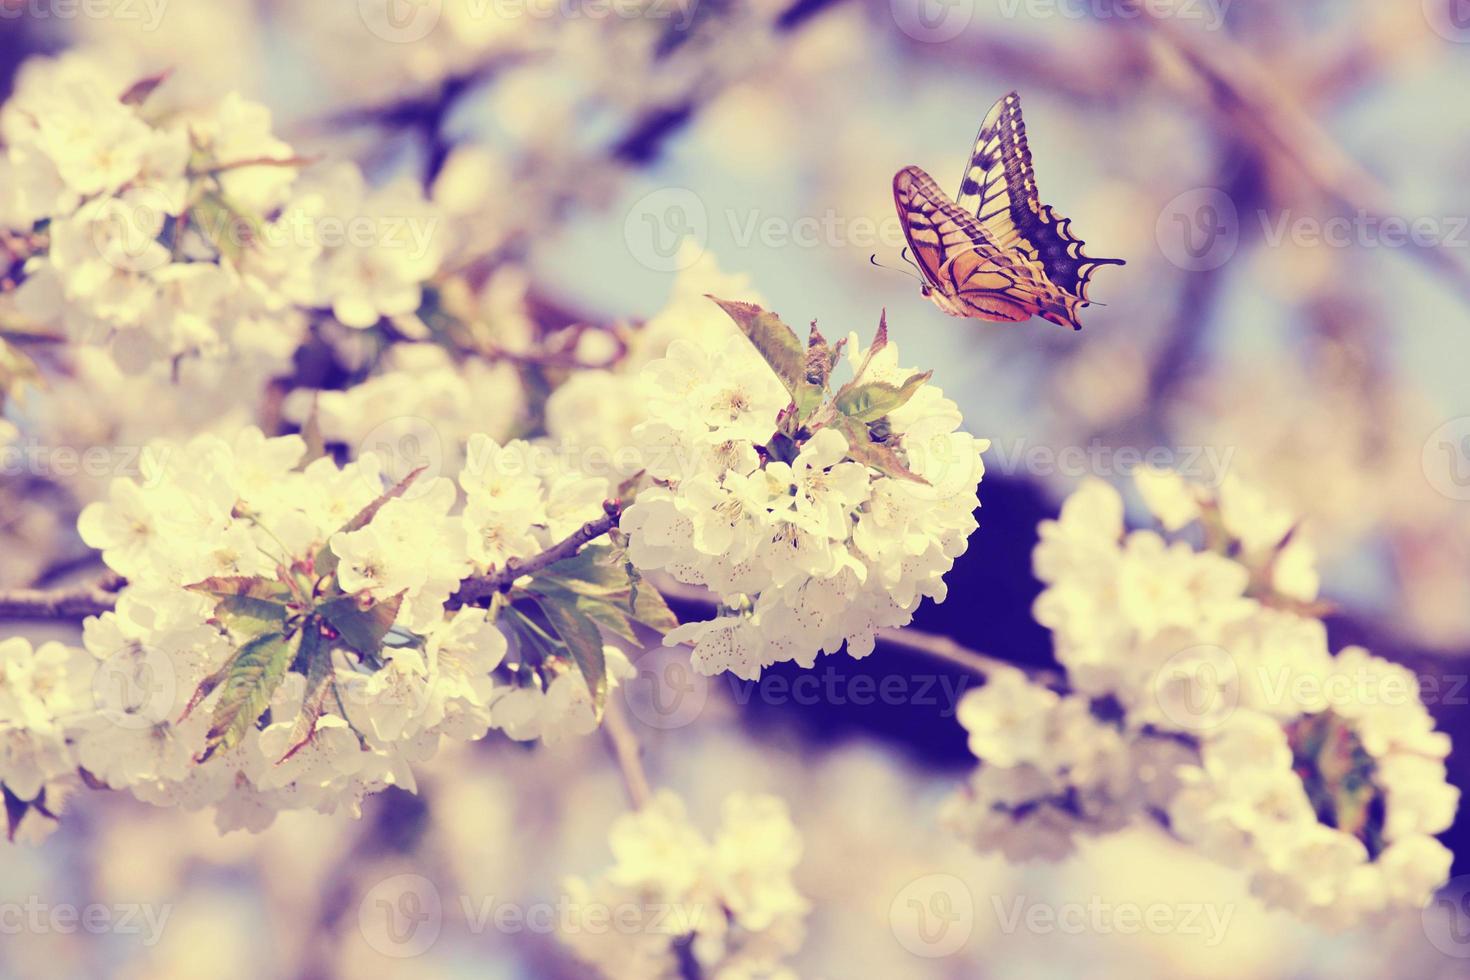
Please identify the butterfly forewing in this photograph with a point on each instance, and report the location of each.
(968, 274)
(999, 186)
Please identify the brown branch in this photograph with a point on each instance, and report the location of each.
(626, 751)
(1253, 102)
(478, 588)
(930, 645)
(76, 603)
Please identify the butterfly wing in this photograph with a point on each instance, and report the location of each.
(999, 188)
(935, 229)
(968, 274)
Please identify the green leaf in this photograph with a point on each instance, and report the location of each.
(584, 643)
(248, 605)
(778, 344)
(872, 401)
(880, 456)
(650, 609)
(362, 629)
(254, 674)
(600, 581)
(592, 571)
(609, 618)
(326, 559)
(316, 657)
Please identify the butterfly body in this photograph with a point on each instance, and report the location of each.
(995, 252)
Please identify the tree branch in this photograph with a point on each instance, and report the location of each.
(1253, 102)
(480, 587)
(75, 603)
(623, 745)
(930, 645)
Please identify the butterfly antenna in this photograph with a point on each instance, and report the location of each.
(910, 260)
(873, 259)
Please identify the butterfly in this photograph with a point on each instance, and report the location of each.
(995, 252)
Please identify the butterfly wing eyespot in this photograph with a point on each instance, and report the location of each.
(998, 215)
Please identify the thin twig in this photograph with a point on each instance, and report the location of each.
(626, 751)
(930, 645)
(475, 589)
(76, 603)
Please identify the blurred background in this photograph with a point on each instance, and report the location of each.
(1287, 181)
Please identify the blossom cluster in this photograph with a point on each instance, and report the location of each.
(727, 902)
(1200, 691)
(163, 233)
(817, 519)
(286, 637)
